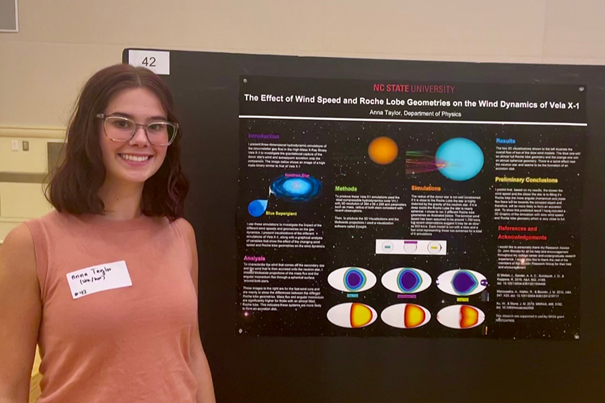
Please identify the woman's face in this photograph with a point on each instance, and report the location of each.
(136, 160)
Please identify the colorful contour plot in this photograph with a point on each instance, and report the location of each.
(352, 279)
(352, 315)
(461, 282)
(460, 316)
(406, 280)
(405, 316)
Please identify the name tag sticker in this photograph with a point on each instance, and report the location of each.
(103, 277)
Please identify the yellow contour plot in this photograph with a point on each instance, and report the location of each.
(414, 316)
(469, 316)
(361, 315)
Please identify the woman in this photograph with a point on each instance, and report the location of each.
(107, 283)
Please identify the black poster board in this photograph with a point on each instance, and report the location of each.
(312, 369)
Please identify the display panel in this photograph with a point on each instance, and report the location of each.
(457, 368)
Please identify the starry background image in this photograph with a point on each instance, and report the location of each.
(254, 184)
(357, 247)
(348, 164)
(566, 233)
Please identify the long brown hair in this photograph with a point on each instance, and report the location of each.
(74, 185)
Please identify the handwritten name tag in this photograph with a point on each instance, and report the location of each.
(103, 277)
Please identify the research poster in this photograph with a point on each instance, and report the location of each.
(409, 209)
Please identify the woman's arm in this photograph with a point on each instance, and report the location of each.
(20, 312)
(199, 363)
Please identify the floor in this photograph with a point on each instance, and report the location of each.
(34, 388)
(34, 385)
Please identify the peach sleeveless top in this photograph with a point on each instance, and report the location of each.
(121, 345)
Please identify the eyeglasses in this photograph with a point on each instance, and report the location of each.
(121, 129)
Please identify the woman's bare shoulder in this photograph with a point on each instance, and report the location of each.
(185, 228)
(18, 252)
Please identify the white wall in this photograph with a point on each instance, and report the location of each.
(62, 42)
